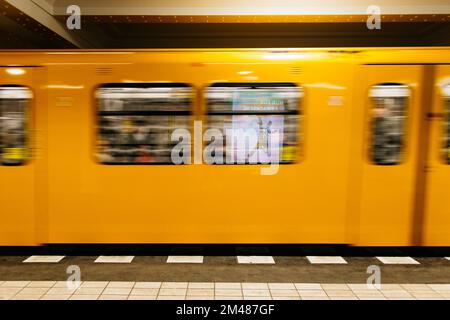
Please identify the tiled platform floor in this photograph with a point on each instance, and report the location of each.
(123, 290)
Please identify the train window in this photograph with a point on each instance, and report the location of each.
(388, 122)
(14, 101)
(136, 122)
(447, 124)
(252, 123)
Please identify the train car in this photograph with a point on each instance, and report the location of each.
(280, 146)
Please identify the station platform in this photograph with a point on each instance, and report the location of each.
(319, 273)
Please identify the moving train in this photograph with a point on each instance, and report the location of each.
(225, 146)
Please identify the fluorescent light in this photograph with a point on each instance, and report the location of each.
(15, 71)
(286, 56)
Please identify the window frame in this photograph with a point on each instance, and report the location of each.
(406, 115)
(299, 112)
(445, 144)
(189, 113)
(27, 115)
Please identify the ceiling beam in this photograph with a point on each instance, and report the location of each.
(249, 7)
(39, 14)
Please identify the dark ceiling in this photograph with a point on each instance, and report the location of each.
(18, 31)
(138, 35)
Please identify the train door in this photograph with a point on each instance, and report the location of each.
(437, 213)
(17, 167)
(389, 153)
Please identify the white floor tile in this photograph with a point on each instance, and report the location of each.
(9, 291)
(286, 298)
(315, 297)
(335, 286)
(44, 259)
(416, 287)
(326, 260)
(63, 284)
(188, 297)
(228, 292)
(368, 293)
(174, 285)
(392, 294)
(29, 291)
(116, 291)
(172, 292)
(312, 293)
(89, 291)
(201, 285)
(340, 293)
(41, 284)
(94, 284)
(343, 298)
(185, 259)
(284, 293)
(445, 294)
(136, 297)
(281, 286)
(114, 259)
(250, 285)
(60, 291)
(397, 260)
(361, 286)
(308, 286)
(15, 284)
(258, 298)
(255, 260)
(113, 297)
(121, 284)
(200, 292)
(256, 293)
(147, 285)
(27, 297)
(56, 297)
(228, 285)
(84, 297)
(440, 287)
(391, 286)
(144, 292)
(237, 297)
(171, 298)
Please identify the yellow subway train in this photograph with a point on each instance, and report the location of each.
(225, 146)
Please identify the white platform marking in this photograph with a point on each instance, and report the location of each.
(398, 260)
(44, 259)
(255, 260)
(185, 259)
(326, 260)
(114, 259)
